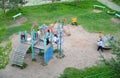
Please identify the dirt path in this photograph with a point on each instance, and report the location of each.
(110, 4)
(18, 22)
(79, 49)
(39, 2)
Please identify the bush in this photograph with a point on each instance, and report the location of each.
(92, 72)
(114, 63)
(56, 51)
(34, 59)
(24, 65)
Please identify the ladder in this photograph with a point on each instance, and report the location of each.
(19, 54)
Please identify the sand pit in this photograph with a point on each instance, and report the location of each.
(79, 49)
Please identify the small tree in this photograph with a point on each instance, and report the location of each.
(16, 3)
(77, 2)
(10, 4)
(52, 4)
(4, 51)
(3, 6)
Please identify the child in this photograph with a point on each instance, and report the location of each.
(38, 33)
(23, 36)
(100, 35)
(74, 21)
(56, 39)
(100, 45)
(48, 37)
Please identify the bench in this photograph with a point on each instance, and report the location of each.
(98, 6)
(111, 12)
(19, 14)
(118, 15)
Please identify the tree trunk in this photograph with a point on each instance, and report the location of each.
(52, 3)
(4, 12)
(77, 2)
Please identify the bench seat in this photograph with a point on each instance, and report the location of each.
(19, 14)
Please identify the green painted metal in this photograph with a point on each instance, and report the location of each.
(44, 50)
(25, 35)
(99, 6)
(32, 47)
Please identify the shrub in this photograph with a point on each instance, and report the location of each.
(114, 63)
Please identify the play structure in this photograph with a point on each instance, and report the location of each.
(39, 44)
(106, 39)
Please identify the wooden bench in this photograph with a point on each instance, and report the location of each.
(19, 14)
(98, 6)
(118, 15)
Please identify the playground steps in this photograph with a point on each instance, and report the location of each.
(19, 54)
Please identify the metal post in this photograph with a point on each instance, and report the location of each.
(19, 35)
(45, 52)
(32, 45)
(60, 42)
(58, 28)
(25, 36)
(33, 54)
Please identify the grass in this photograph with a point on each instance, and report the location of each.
(92, 72)
(92, 22)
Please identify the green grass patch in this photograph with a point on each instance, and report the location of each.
(92, 72)
(93, 22)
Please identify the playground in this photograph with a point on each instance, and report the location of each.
(79, 55)
(78, 43)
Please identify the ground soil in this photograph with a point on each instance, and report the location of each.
(116, 20)
(96, 10)
(79, 49)
(18, 22)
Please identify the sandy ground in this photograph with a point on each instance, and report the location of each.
(79, 49)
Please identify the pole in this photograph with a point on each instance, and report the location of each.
(33, 55)
(60, 44)
(45, 63)
(32, 46)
